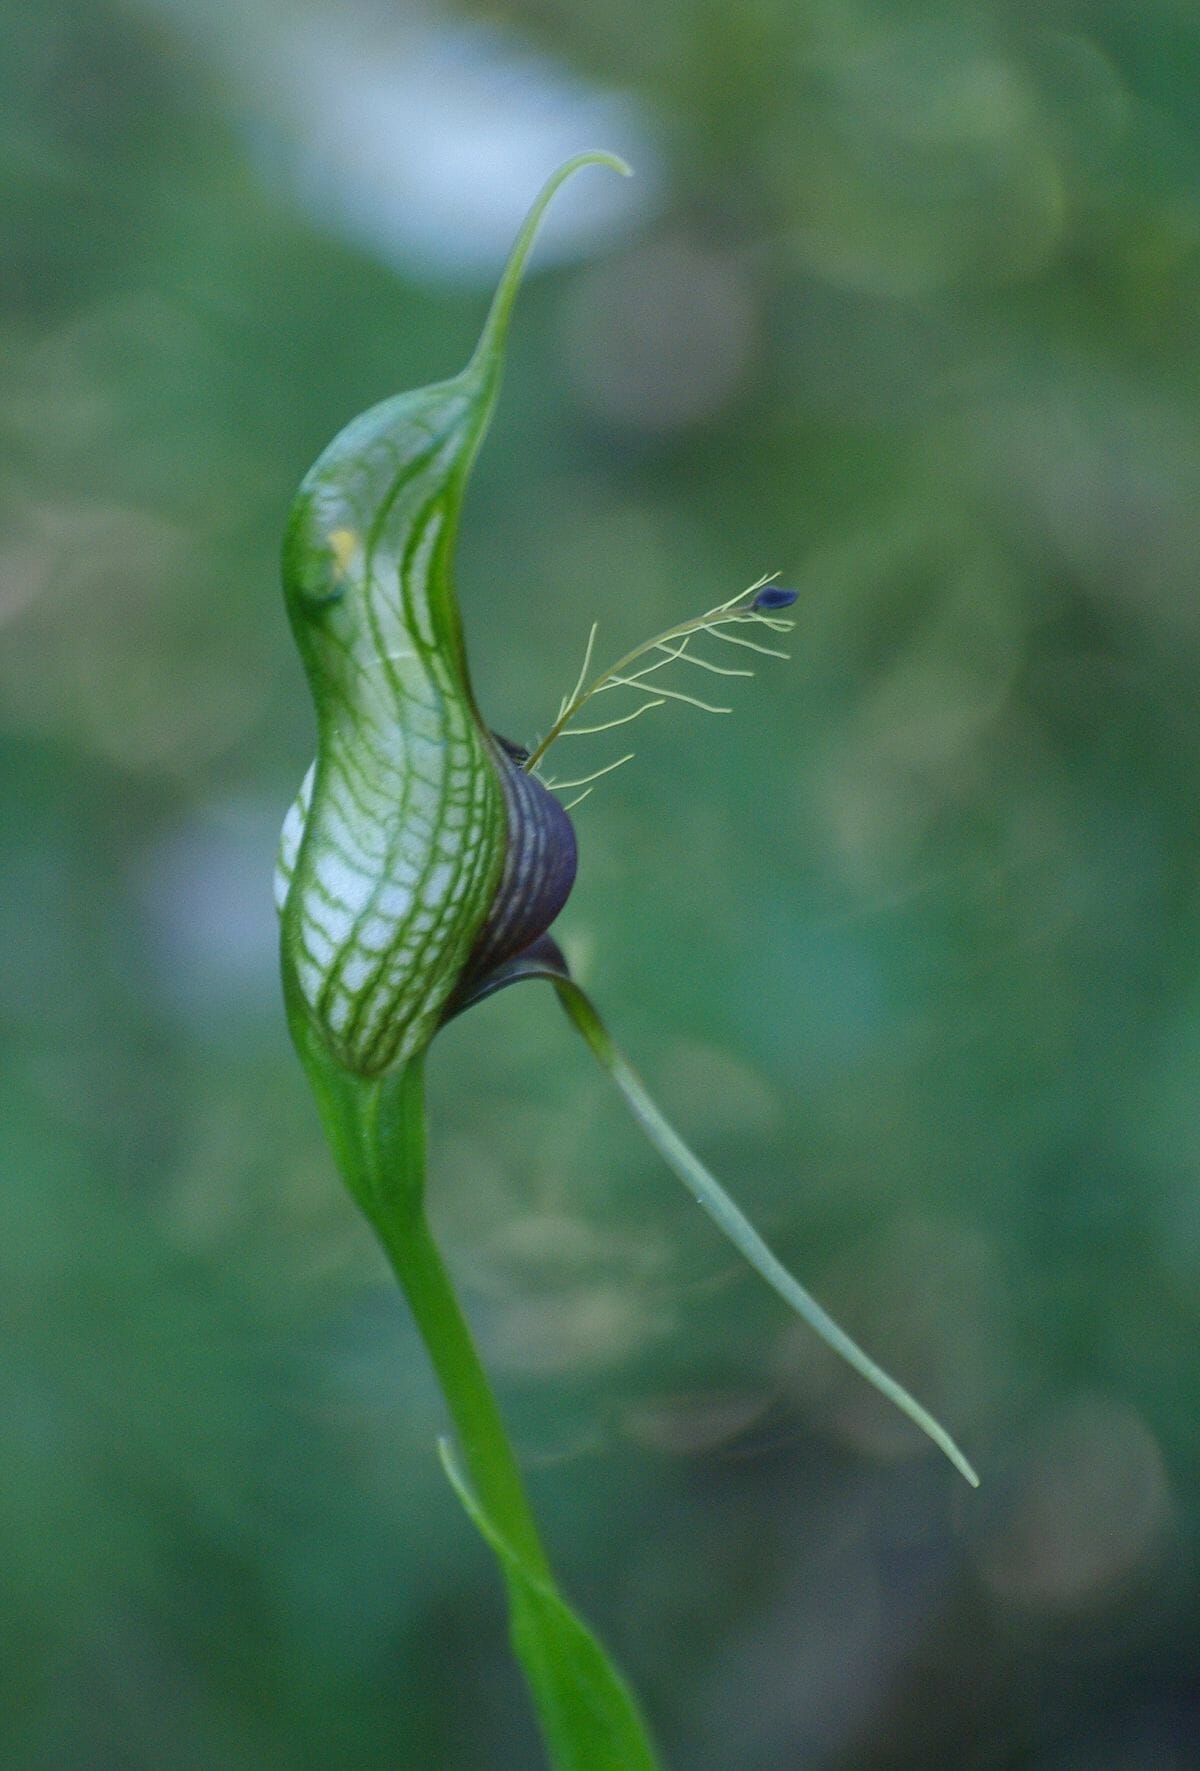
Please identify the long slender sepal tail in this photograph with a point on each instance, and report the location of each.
(712, 1198)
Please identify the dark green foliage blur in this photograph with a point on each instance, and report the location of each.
(907, 945)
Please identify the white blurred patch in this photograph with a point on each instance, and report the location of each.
(423, 139)
(214, 942)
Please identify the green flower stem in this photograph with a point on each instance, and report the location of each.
(376, 1127)
(400, 1222)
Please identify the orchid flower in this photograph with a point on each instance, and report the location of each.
(421, 868)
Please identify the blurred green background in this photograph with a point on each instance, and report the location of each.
(903, 305)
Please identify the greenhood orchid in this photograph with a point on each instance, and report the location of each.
(420, 869)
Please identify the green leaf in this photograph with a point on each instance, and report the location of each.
(588, 1716)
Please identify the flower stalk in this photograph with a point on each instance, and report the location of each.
(391, 1148)
(376, 1127)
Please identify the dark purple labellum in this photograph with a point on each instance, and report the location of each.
(542, 958)
(539, 871)
(774, 596)
(517, 752)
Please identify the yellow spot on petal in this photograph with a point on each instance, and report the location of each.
(343, 542)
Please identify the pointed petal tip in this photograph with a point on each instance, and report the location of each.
(488, 352)
(597, 157)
